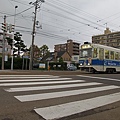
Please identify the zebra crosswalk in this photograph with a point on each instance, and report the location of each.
(61, 88)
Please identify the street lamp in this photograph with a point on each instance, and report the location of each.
(37, 5)
(13, 39)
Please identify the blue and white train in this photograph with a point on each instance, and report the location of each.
(99, 58)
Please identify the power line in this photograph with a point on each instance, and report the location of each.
(69, 6)
(74, 14)
(21, 11)
(23, 3)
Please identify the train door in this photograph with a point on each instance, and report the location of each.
(101, 58)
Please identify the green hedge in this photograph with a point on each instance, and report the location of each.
(17, 63)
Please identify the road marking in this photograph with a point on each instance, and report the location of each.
(25, 80)
(21, 77)
(64, 110)
(99, 78)
(40, 83)
(33, 97)
(50, 87)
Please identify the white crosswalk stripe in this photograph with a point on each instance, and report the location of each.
(29, 77)
(28, 80)
(43, 96)
(25, 75)
(63, 110)
(19, 89)
(61, 88)
(40, 83)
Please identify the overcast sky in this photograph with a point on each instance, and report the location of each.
(60, 20)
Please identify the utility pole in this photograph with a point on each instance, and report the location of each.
(3, 43)
(37, 5)
(33, 36)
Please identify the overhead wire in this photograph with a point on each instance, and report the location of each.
(21, 11)
(78, 22)
(23, 3)
(84, 12)
(74, 14)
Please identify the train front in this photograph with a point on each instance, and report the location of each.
(86, 57)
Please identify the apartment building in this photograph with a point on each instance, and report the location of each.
(108, 38)
(71, 47)
(7, 47)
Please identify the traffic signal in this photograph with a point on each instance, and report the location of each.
(11, 28)
(4, 27)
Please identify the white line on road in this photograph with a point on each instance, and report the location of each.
(26, 80)
(99, 78)
(50, 87)
(64, 110)
(40, 83)
(33, 97)
(21, 77)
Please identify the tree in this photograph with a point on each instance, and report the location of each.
(61, 60)
(44, 50)
(36, 53)
(19, 44)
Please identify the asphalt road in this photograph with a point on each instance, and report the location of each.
(75, 95)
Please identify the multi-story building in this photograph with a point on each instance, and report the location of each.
(71, 47)
(7, 47)
(108, 38)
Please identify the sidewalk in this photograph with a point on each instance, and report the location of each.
(39, 72)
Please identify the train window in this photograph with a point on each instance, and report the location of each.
(116, 56)
(86, 53)
(112, 55)
(106, 54)
(101, 53)
(94, 52)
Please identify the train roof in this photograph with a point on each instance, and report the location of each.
(105, 47)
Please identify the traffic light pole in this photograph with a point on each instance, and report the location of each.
(3, 45)
(13, 39)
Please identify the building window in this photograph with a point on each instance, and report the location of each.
(75, 58)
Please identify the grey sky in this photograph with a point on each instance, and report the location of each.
(63, 19)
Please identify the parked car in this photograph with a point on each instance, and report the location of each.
(36, 65)
(72, 68)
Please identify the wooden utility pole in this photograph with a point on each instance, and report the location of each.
(33, 36)
(37, 5)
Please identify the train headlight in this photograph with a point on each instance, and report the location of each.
(88, 63)
(80, 63)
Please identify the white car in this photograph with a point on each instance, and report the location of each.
(72, 68)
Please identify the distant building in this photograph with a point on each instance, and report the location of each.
(71, 47)
(64, 55)
(55, 56)
(7, 47)
(108, 38)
